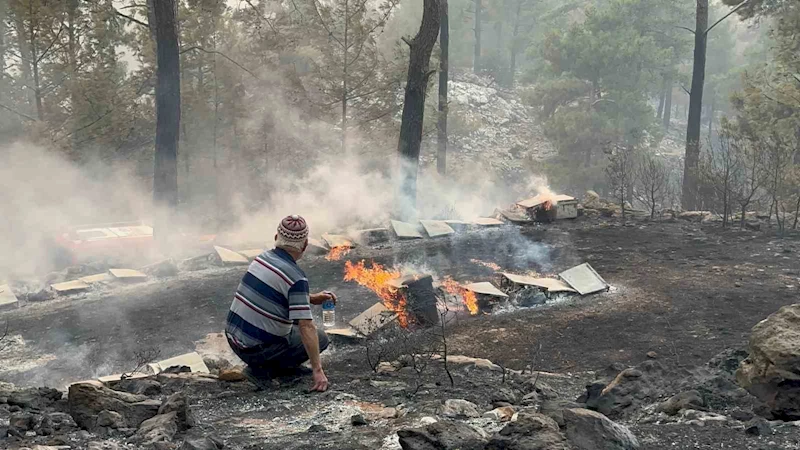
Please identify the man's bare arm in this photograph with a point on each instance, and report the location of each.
(308, 334)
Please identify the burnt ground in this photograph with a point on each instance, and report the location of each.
(684, 290)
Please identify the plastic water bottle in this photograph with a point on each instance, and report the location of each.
(328, 314)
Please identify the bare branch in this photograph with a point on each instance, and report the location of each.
(215, 52)
(688, 92)
(49, 47)
(726, 16)
(324, 25)
(404, 39)
(686, 28)
(132, 19)
(25, 116)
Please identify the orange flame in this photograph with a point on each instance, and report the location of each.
(490, 265)
(337, 253)
(468, 297)
(547, 205)
(376, 279)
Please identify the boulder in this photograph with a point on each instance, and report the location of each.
(204, 443)
(140, 386)
(554, 409)
(683, 400)
(506, 395)
(772, 370)
(161, 428)
(87, 400)
(22, 421)
(110, 419)
(531, 431)
(590, 430)
(178, 404)
(165, 268)
(458, 408)
(758, 427)
(501, 414)
(442, 435)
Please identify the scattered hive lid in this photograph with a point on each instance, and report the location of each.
(584, 279)
(373, 319)
(485, 288)
(344, 332)
(230, 256)
(541, 198)
(7, 297)
(405, 230)
(337, 240)
(100, 277)
(117, 377)
(127, 274)
(487, 221)
(515, 215)
(550, 284)
(436, 228)
(193, 360)
(251, 253)
(69, 286)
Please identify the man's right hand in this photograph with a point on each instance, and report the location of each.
(320, 381)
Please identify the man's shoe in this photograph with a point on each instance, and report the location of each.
(260, 379)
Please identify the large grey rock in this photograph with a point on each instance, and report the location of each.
(87, 400)
(531, 431)
(442, 435)
(772, 370)
(161, 428)
(683, 400)
(204, 443)
(554, 409)
(590, 430)
(140, 386)
(178, 404)
(456, 408)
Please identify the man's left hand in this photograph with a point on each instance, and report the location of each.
(322, 297)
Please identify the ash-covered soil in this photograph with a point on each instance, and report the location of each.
(682, 290)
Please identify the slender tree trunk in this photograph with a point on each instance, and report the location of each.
(476, 58)
(344, 76)
(441, 124)
(692, 156)
(414, 104)
(72, 11)
(667, 102)
(711, 116)
(37, 92)
(512, 70)
(168, 114)
(661, 99)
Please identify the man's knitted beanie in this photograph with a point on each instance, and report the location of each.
(292, 232)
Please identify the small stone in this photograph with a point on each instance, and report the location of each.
(21, 421)
(758, 427)
(358, 420)
(460, 408)
(317, 428)
(232, 375)
(427, 420)
(652, 355)
(503, 414)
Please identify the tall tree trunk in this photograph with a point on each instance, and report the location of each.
(661, 99)
(72, 58)
(476, 58)
(37, 92)
(168, 114)
(414, 105)
(692, 156)
(25, 52)
(667, 102)
(441, 123)
(711, 115)
(512, 70)
(344, 76)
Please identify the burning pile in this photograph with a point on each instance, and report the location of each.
(468, 297)
(337, 253)
(377, 279)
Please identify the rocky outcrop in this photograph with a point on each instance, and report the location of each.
(590, 430)
(531, 431)
(458, 408)
(443, 435)
(87, 400)
(772, 370)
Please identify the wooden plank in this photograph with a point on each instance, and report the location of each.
(436, 228)
(337, 240)
(487, 222)
(251, 253)
(69, 287)
(230, 256)
(584, 279)
(99, 278)
(127, 274)
(485, 288)
(405, 230)
(7, 297)
(549, 284)
(373, 319)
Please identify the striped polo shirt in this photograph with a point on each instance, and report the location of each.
(271, 296)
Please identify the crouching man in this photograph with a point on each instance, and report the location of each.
(269, 325)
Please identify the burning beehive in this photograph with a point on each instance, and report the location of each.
(467, 297)
(380, 281)
(548, 207)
